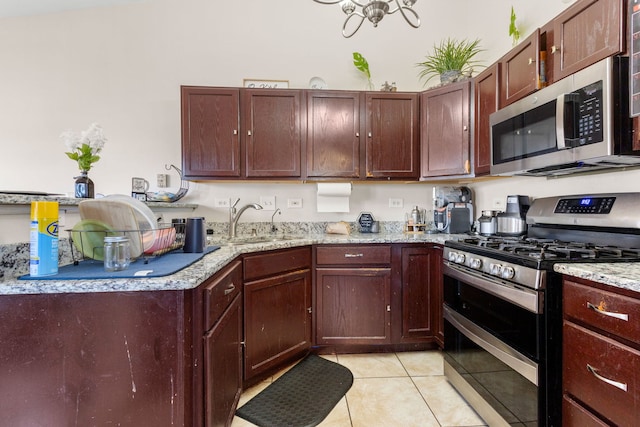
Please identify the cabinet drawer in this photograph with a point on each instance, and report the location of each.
(603, 310)
(268, 264)
(612, 361)
(574, 415)
(220, 292)
(353, 254)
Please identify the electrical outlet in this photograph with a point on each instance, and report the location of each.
(268, 203)
(162, 179)
(498, 204)
(396, 203)
(221, 203)
(294, 203)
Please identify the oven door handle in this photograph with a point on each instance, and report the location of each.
(509, 356)
(529, 300)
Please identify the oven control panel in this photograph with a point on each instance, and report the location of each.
(585, 205)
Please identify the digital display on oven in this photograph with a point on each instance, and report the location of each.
(585, 205)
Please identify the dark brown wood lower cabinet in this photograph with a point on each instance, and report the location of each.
(223, 366)
(277, 321)
(353, 306)
(600, 355)
(417, 322)
(97, 359)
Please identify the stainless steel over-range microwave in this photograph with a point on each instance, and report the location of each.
(578, 124)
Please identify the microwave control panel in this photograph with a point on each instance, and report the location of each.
(585, 205)
(589, 115)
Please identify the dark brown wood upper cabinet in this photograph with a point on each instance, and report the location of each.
(333, 134)
(486, 96)
(271, 123)
(586, 32)
(445, 130)
(210, 126)
(519, 70)
(392, 135)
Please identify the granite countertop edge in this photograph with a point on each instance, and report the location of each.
(195, 274)
(624, 275)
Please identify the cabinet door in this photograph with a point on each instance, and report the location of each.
(210, 126)
(416, 292)
(486, 96)
(586, 32)
(392, 144)
(353, 305)
(437, 294)
(277, 320)
(272, 132)
(445, 130)
(223, 366)
(519, 70)
(333, 134)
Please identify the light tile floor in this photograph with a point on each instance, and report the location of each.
(391, 389)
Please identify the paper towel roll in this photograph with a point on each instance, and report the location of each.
(333, 197)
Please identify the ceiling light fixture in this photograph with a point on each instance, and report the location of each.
(374, 11)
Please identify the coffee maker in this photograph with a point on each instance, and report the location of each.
(453, 209)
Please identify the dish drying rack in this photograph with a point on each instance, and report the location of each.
(165, 241)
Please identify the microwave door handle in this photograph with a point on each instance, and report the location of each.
(560, 137)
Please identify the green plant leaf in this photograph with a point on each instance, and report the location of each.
(450, 55)
(513, 29)
(361, 64)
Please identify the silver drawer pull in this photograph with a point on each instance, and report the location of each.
(594, 371)
(353, 255)
(620, 316)
(230, 289)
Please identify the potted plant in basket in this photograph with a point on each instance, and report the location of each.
(451, 60)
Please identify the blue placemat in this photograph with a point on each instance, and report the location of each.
(155, 267)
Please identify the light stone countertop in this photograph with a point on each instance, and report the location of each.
(198, 272)
(624, 275)
(22, 199)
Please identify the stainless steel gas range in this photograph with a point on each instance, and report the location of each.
(503, 302)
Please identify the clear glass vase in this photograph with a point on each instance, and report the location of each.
(84, 186)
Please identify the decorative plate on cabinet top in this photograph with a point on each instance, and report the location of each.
(317, 83)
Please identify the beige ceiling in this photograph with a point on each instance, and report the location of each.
(39, 7)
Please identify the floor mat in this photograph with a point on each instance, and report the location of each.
(302, 397)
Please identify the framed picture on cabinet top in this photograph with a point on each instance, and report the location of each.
(265, 84)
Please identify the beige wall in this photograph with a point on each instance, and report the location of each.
(122, 67)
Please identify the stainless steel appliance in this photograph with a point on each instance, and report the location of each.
(453, 209)
(513, 221)
(580, 123)
(502, 302)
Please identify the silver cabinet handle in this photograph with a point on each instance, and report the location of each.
(554, 49)
(358, 134)
(235, 131)
(249, 132)
(370, 135)
(530, 61)
(229, 289)
(388, 307)
(353, 255)
(620, 316)
(594, 371)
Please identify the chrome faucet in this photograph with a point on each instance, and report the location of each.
(273, 227)
(234, 216)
